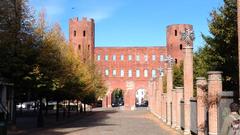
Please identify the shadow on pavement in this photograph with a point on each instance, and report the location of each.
(27, 125)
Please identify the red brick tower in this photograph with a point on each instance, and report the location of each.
(174, 44)
(82, 37)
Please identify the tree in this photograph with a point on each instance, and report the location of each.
(220, 52)
(18, 49)
(178, 75)
(238, 27)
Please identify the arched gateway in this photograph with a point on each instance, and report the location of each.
(127, 68)
(129, 90)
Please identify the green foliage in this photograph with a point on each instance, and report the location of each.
(117, 95)
(16, 42)
(164, 84)
(37, 58)
(221, 50)
(178, 75)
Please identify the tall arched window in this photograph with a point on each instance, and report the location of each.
(180, 46)
(74, 33)
(175, 32)
(84, 33)
(79, 47)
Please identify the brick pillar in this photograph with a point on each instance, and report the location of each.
(214, 92)
(159, 101)
(179, 97)
(161, 110)
(150, 94)
(174, 105)
(164, 108)
(132, 99)
(201, 108)
(126, 100)
(154, 96)
(109, 104)
(169, 93)
(104, 102)
(188, 86)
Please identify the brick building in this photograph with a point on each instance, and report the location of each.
(128, 68)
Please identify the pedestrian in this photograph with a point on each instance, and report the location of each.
(231, 124)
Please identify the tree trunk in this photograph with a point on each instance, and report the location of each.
(81, 109)
(21, 108)
(84, 105)
(35, 107)
(40, 120)
(57, 111)
(13, 125)
(64, 110)
(69, 107)
(238, 29)
(46, 108)
(77, 107)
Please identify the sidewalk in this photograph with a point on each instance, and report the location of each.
(162, 125)
(28, 124)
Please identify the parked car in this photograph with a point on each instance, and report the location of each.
(143, 104)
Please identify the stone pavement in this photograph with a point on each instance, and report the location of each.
(110, 122)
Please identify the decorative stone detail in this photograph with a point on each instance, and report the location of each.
(214, 95)
(201, 104)
(188, 36)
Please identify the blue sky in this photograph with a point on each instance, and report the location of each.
(131, 22)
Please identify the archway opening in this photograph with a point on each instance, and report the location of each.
(117, 97)
(141, 98)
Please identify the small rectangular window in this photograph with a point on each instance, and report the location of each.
(122, 73)
(98, 57)
(114, 57)
(106, 57)
(129, 57)
(145, 73)
(107, 72)
(153, 57)
(121, 57)
(137, 73)
(145, 57)
(154, 75)
(161, 58)
(114, 73)
(129, 73)
(137, 57)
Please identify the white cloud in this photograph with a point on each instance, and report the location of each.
(53, 10)
(100, 10)
(98, 15)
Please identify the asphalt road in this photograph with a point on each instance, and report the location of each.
(111, 122)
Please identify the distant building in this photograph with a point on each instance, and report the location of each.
(127, 68)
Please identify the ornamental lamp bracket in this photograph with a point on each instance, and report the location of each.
(169, 60)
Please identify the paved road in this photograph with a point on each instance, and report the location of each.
(112, 122)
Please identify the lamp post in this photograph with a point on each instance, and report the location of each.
(169, 61)
(188, 37)
(238, 25)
